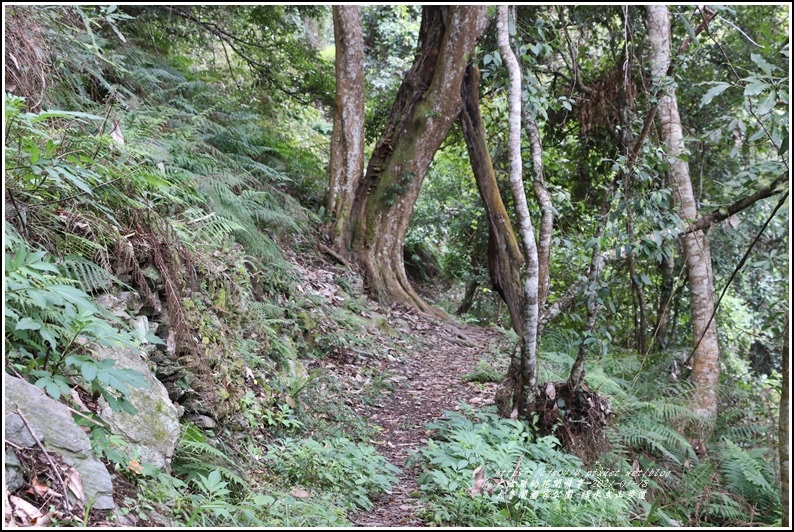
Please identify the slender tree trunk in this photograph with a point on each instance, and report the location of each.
(783, 432)
(425, 107)
(468, 297)
(640, 324)
(347, 139)
(546, 210)
(504, 255)
(597, 261)
(705, 368)
(525, 392)
(664, 305)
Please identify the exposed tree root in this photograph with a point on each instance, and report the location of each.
(578, 418)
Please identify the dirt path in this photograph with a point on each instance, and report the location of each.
(430, 381)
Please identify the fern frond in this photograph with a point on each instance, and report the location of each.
(604, 384)
(196, 456)
(748, 474)
(91, 277)
(746, 433)
(657, 438)
(723, 507)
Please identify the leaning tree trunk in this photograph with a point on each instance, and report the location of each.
(426, 105)
(524, 392)
(504, 255)
(706, 367)
(347, 139)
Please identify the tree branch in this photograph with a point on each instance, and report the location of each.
(563, 303)
(221, 34)
(723, 213)
(736, 270)
(708, 16)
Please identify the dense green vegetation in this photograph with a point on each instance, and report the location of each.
(184, 152)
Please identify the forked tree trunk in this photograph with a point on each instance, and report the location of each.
(426, 105)
(705, 367)
(347, 139)
(504, 255)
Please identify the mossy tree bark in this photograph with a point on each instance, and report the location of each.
(347, 139)
(504, 255)
(426, 105)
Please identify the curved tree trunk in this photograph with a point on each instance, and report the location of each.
(427, 104)
(504, 255)
(347, 139)
(705, 367)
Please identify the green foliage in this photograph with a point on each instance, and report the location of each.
(390, 37)
(48, 321)
(209, 488)
(750, 475)
(520, 470)
(272, 419)
(352, 471)
(327, 413)
(734, 488)
(218, 139)
(195, 458)
(724, 481)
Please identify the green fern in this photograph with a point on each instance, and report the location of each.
(645, 433)
(195, 457)
(92, 278)
(749, 474)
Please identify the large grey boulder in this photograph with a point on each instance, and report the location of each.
(154, 430)
(53, 425)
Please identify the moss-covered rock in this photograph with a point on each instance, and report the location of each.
(154, 430)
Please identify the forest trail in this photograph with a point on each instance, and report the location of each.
(429, 382)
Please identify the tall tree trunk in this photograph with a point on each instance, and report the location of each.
(347, 139)
(504, 255)
(705, 367)
(783, 432)
(525, 391)
(426, 105)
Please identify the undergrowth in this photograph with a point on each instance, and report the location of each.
(482, 470)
